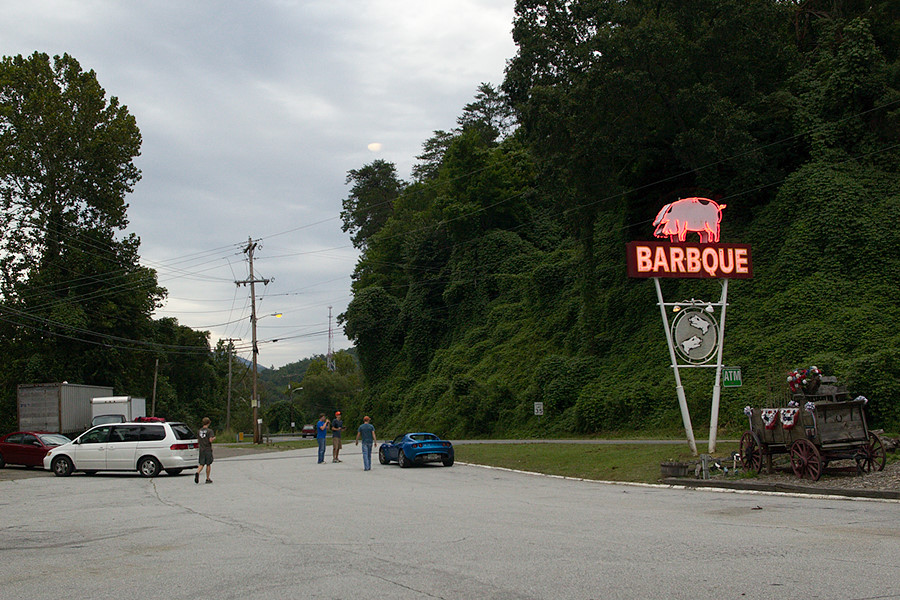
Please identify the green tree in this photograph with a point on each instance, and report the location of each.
(73, 293)
(371, 199)
(66, 161)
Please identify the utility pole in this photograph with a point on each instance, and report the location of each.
(230, 342)
(153, 401)
(329, 357)
(251, 246)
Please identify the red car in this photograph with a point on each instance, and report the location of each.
(28, 447)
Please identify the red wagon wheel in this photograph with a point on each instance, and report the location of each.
(806, 460)
(751, 453)
(872, 456)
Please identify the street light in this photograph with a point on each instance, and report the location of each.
(253, 319)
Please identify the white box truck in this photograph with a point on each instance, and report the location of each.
(117, 409)
(58, 407)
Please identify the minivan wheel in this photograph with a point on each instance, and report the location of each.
(62, 466)
(149, 467)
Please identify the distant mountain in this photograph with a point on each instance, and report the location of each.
(249, 363)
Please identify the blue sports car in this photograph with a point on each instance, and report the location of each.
(416, 448)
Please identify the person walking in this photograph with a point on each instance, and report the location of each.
(366, 431)
(205, 437)
(337, 426)
(321, 434)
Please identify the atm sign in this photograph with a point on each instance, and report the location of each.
(731, 377)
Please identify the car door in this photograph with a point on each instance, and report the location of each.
(90, 451)
(32, 451)
(123, 443)
(12, 448)
(153, 441)
(394, 449)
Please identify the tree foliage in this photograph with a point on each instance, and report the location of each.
(370, 203)
(499, 280)
(75, 303)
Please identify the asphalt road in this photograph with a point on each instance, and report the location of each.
(279, 526)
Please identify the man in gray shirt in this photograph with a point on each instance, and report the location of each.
(205, 438)
(366, 431)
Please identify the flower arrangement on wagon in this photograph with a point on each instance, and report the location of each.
(804, 381)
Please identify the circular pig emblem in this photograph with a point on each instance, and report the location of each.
(695, 335)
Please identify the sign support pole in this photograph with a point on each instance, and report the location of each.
(717, 387)
(679, 389)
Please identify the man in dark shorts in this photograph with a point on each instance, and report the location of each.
(205, 437)
(337, 426)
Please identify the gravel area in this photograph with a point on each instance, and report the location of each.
(837, 476)
(842, 475)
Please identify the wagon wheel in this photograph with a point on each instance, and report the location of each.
(872, 456)
(751, 453)
(806, 460)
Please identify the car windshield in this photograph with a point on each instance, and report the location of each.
(183, 432)
(424, 437)
(104, 419)
(54, 439)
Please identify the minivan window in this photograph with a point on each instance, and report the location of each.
(126, 433)
(152, 433)
(183, 432)
(96, 436)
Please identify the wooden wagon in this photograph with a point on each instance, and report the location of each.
(814, 429)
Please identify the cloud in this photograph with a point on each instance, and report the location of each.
(251, 116)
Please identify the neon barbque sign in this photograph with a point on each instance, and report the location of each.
(695, 336)
(680, 259)
(661, 259)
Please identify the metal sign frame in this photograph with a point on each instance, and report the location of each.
(700, 363)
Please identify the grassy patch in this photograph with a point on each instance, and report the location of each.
(611, 462)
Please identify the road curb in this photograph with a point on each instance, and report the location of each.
(784, 488)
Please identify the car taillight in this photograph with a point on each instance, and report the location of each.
(182, 446)
(417, 445)
(446, 444)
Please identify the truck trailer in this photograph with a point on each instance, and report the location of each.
(58, 407)
(117, 409)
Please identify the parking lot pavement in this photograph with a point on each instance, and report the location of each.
(277, 525)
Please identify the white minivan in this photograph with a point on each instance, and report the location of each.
(146, 448)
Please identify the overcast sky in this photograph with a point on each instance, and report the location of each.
(251, 115)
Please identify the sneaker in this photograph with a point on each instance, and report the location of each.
(196, 477)
(209, 481)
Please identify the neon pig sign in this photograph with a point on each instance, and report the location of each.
(678, 258)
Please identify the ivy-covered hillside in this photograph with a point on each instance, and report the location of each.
(496, 276)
